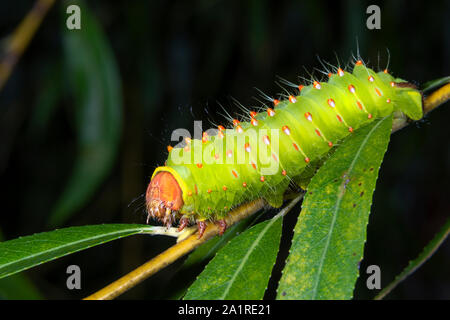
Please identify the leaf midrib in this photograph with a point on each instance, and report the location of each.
(43, 253)
(336, 210)
(247, 255)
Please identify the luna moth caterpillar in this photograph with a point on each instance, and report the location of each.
(261, 155)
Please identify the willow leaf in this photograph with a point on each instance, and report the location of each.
(330, 233)
(26, 252)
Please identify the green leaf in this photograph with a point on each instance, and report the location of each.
(241, 269)
(430, 85)
(26, 252)
(97, 112)
(329, 237)
(200, 256)
(413, 265)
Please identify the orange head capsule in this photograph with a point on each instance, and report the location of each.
(163, 196)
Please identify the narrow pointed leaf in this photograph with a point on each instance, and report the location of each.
(415, 264)
(433, 84)
(330, 233)
(26, 252)
(241, 269)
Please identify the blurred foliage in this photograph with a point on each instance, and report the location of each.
(175, 60)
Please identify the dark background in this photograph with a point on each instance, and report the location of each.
(177, 60)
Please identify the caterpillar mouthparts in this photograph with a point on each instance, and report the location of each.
(164, 198)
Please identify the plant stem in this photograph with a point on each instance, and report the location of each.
(21, 37)
(173, 253)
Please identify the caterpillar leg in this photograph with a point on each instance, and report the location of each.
(183, 223)
(222, 226)
(201, 228)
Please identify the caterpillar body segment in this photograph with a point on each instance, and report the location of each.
(260, 157)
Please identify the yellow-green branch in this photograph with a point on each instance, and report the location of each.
(172, 254)
(19, 40)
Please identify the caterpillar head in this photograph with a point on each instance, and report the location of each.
(164, 198)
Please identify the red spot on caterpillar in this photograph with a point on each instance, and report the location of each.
(196, 189)
(253, 165)
(220, 134)
(306, 159)
(308, 116)
(378, 92)
(186, 148)
(340, 72)
(204, 137)
(317, 85)
(247, 147)
(329, 75)
(385, 71)
(266, 140)
(221, 128)
(283, 172)
(236, 122)
(276, 102)
(188, 140)
(234, 173)
(350, 129)
(295, 146)
(392, 83)
(371, 79)
(330, 144)
(369, 116)
(199, 165)
(169, 148)
(209, 190)
(239, 129)
(229, 153)
(300, 87)
(216, 156)
(224, 188)
(253, 114)
(292, 99)
(274, 157)
(331, 103)
(388, 100)
(351, 88)
(339, 118)
(286, 130)
(244, 185)
(270, 112)
(318, 132)
(254, 122)
(262, 179)
(359, 105)
(162, 196)
(358, 63)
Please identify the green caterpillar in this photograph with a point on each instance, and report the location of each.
(260, 157)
